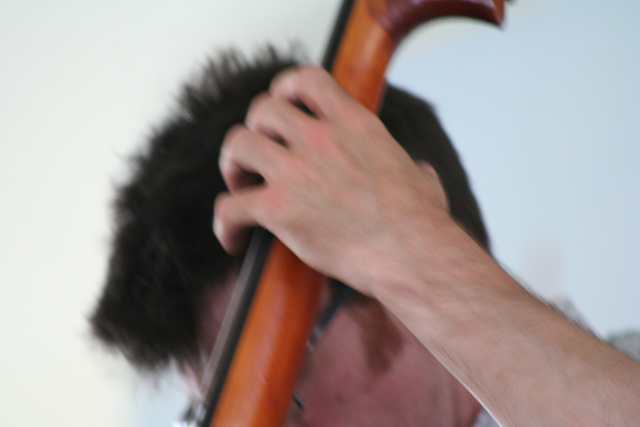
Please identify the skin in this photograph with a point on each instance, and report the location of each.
(367, 369)
(340, 388)
(390, 237)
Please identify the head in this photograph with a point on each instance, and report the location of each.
(168, 276)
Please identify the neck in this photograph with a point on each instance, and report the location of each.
(369, 370)
(366, 369)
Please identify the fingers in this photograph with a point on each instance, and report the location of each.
(271, 145)
(277, 119)
(245, 155)
(312, 87)
(233, 216)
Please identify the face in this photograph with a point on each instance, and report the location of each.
(366, 369)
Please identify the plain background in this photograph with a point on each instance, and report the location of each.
(544, 113)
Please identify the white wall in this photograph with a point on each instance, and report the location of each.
(544, 114)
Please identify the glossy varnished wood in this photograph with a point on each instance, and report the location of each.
(271, 350)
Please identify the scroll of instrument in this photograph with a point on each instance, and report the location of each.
(261, 345)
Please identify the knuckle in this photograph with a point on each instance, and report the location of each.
(298, 76)
(229, 147)
(282, 77)
(355, 113)
(220, 205)
(312, 73)
(256, 110)
(231, 139)
(231, 134)
(319, 134)
(307, 72)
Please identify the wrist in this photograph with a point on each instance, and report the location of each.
(440, 285)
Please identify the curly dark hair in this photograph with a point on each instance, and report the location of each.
(164, 255)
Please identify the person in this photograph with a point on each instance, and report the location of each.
(433, 317)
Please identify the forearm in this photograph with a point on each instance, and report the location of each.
(388, 234)
(525, 362)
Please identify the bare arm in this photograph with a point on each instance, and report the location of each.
(343, 195)
(526, 363)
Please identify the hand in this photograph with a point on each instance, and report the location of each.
(342, 195)
(338, 190)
